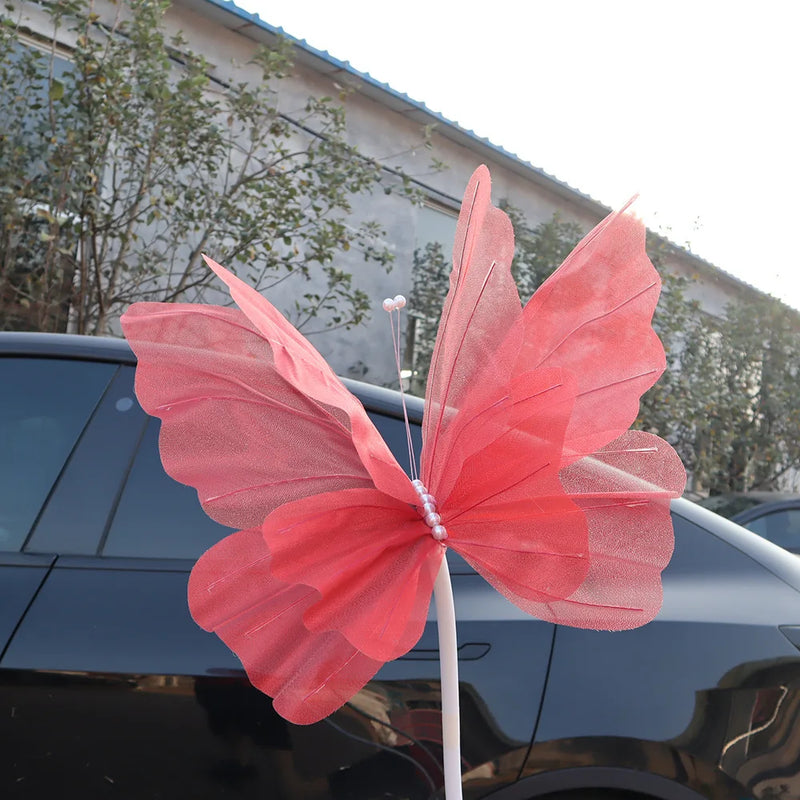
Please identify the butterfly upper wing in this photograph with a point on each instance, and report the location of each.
(237, 417)
(298, 361)
(592, 317)
(493, 433)
(479, 335)
(232, 426)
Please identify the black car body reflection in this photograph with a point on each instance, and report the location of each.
(108, 688)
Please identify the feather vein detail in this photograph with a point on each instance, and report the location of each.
(335, 477)
(598, 317)
(331, 572)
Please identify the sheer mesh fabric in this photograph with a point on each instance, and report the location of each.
(298, 362)
(233, 593)
(508, 513)
(623, 495)
(372, 559)
(592, 318)
(480, 331)
(233, 426)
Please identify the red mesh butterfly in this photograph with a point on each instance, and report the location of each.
(537, 481)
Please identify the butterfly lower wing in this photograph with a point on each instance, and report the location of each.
(592, 317)
(508, 514)
(605, 576)
(233, 426)
(624, 487)
(233, 593)
(371, 559)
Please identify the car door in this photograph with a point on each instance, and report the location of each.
(110, 657)
(45, 407)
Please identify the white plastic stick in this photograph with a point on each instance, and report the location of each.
(448, 663)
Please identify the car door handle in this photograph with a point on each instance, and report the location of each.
(469, 651)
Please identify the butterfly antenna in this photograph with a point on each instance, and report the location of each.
(390, 305)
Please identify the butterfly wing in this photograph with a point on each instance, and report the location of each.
(479, 334)
(253, 418)
(298, 362)
(236, 420)
(592, 317)
(624, 491)
(493, 434)
(509, 515)
(369, 556)
(561, 379)
(233, 593)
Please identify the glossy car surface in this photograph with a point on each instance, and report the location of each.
(773, 515)
(108, 689)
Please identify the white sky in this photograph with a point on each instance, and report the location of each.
(695, 105)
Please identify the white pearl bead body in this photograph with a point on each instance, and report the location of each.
(428, 512)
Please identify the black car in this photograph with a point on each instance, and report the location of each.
(773, 515)
(108, 689)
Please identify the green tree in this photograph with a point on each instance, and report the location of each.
(671, 407)
(539, 250)
(430, 280)
(120, 166)
(749, 434)
(728, 401)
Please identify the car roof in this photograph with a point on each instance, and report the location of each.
(65, 345)
(104, 348)
(738, 506)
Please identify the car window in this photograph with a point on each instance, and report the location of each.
(158, 517)
(393, 431)
(781, 527)
(696, 548)
(44, 407)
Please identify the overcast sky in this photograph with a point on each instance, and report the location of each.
(692, 104)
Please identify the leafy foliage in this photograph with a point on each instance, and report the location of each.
(729, 400)
(120, 166)
(430, 282)
(539, 250)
